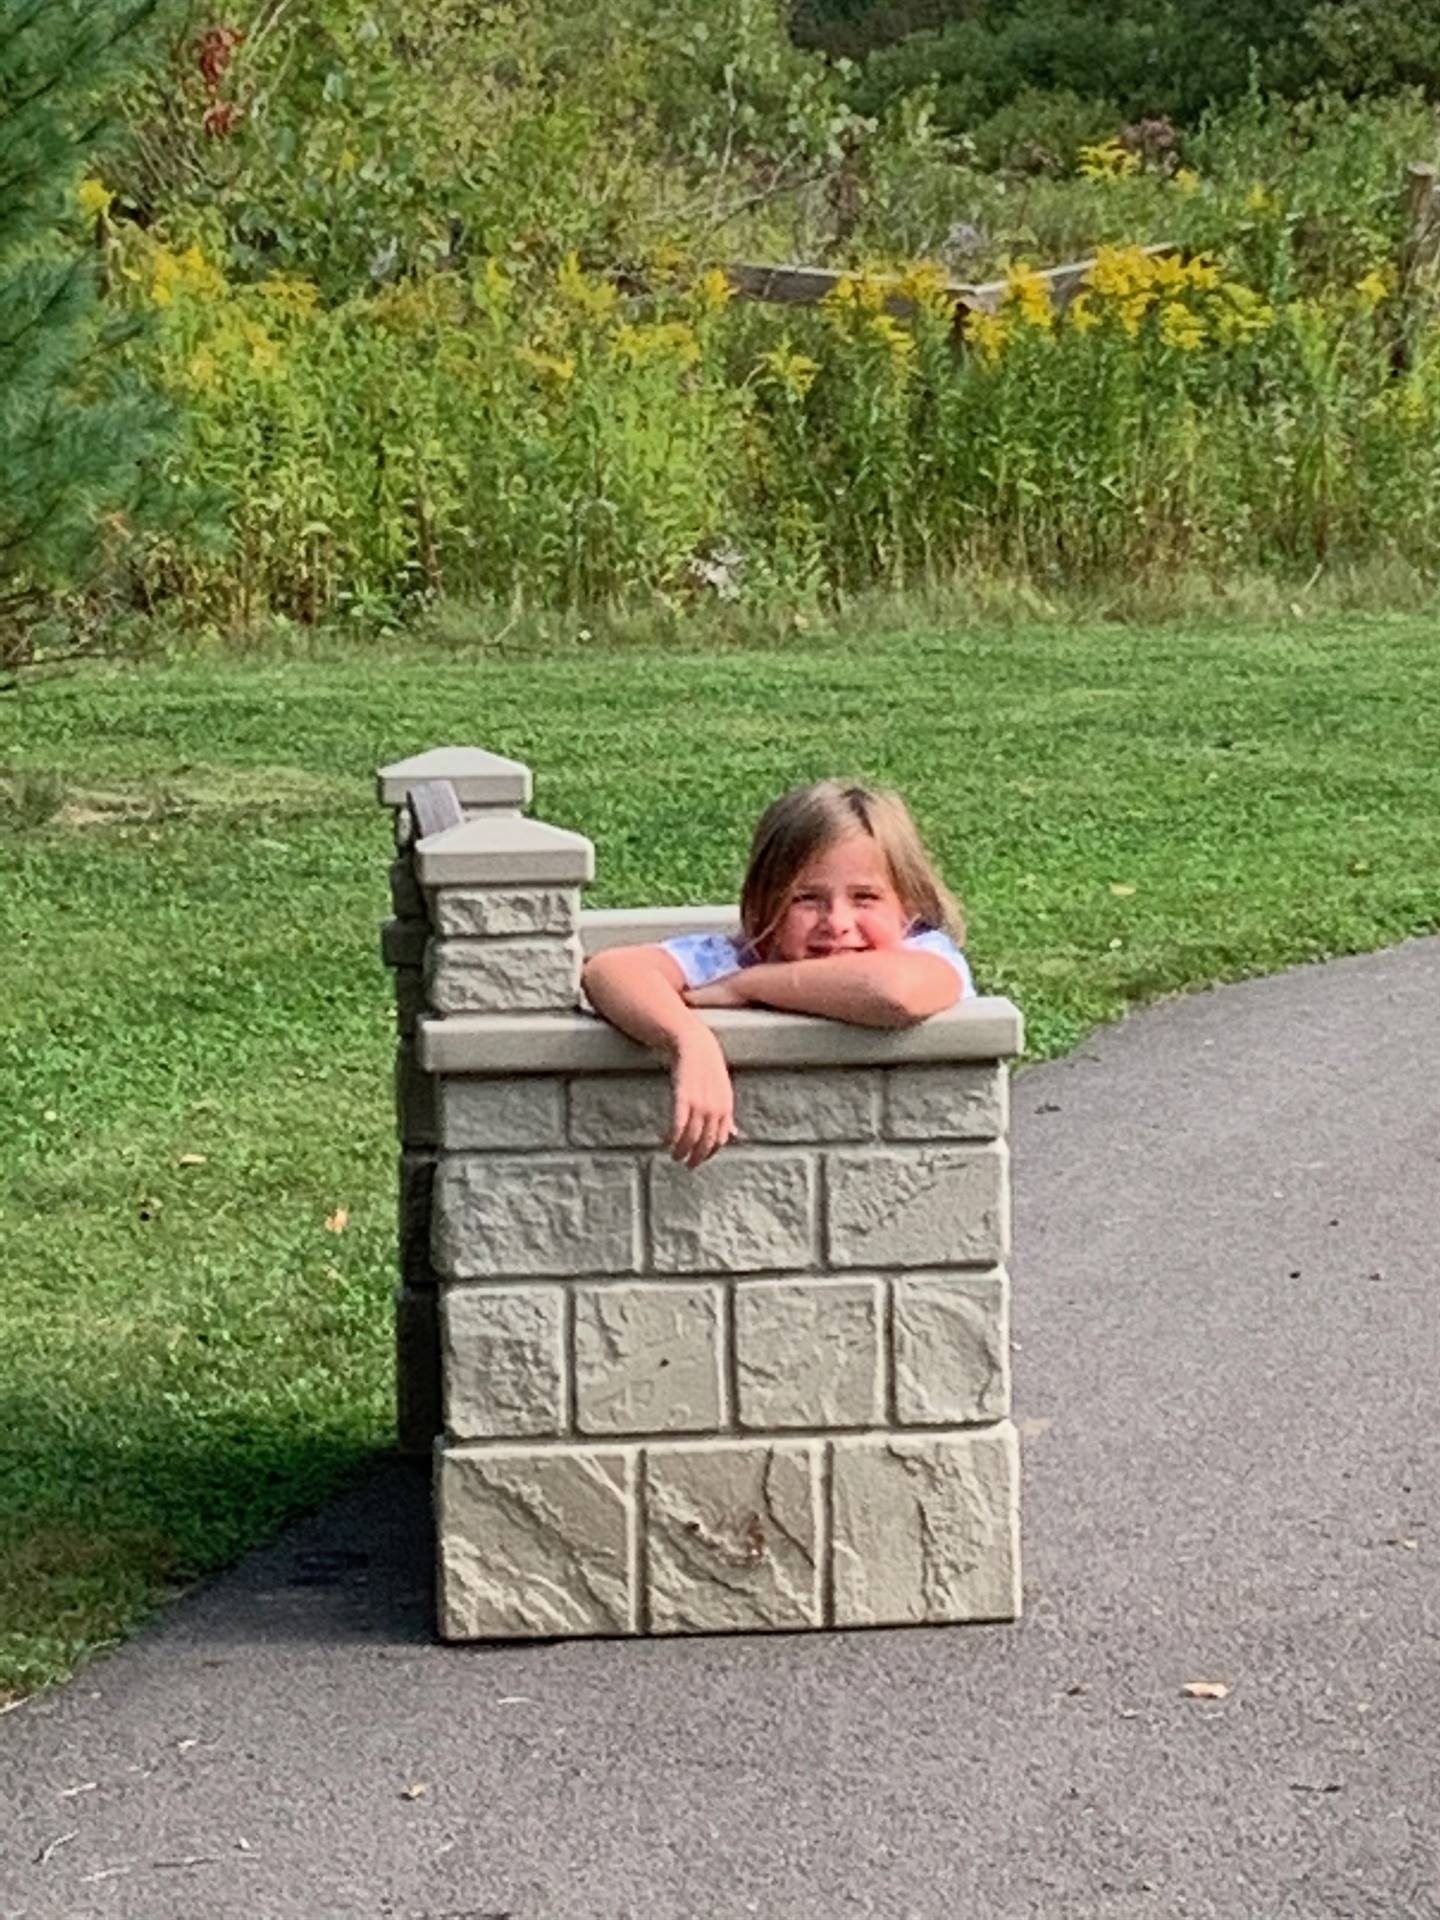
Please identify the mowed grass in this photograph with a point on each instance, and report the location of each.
(196, 1203)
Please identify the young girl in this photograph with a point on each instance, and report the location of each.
(841, 914)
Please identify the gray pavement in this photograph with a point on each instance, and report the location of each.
(1228, 1383)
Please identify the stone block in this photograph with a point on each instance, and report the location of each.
(506, 913)
(483, 1114)
(635, 1109)
(918, 1207)
(952, 1348)
(960, 1102)
(926, 1527)
(416, 1197)
(647, 1358)
(502, 976)
(417, 1371)
(410, 1002)
(808, 1353)
(414, 1098)
(741, 1212)
(513, 1216)
(503, 1350)
(732, 1536)
(405, 895)
(535, 1542)
(620, 1109)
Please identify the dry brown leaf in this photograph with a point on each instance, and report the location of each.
(338, 1220)
(1121, 889)
(1205, 1689)
(415, 1790)
(191, 1160)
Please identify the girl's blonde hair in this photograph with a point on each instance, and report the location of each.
(803, 822)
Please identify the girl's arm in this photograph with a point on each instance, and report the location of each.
(891, 987)
(640, 990)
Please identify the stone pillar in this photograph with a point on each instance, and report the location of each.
(485, 786)
(774, 1393)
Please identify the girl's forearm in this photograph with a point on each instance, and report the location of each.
(634, 999)
(892, 989)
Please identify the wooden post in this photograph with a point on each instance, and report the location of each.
(1422, 228)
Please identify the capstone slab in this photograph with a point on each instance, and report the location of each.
(503, 1216)
(926, 1528)
(495, 913)
(742, 1212)
(918, 1207)
(534, 1544)
(952, 1348)
(486, 1114)
(503, 1351)
(502, 976)
(959, 1102)
(732, 1536)
(808, 1353)
(648, 1358)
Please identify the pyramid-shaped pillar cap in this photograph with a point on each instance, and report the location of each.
(480, 779)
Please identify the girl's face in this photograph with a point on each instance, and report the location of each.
(843, 900)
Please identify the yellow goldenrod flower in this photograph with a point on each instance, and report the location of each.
(1108, 160)
(1082, 314)
(899, 344)
(713, 290)
(94, 197)
(1260, 200)
(1133, 309)
(596, 299)
(558, 367)
(289, 292)
(497, 281)
(200, 369)
(924, 284)
(989, 331)
(1202, 271)
(794, 373)
(1028, 292)
(670, 339)
(1119, 271)
(841, 296)
(1372, 289)
(1180, 327)
(1170, 272)
(1187, 181)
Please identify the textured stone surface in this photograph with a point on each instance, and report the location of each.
(918, 1207)
(740, 1212)
(647, 1358)
(417, 1370)
(731, 1531)
(952, 1352)
(504, 1359)
(502, 976)
(926, 1528)
(946, 1103)
(414, 1098)
(634, 1109)
(534, 1542)
(482, 1113)
(516, 1215)
(416, 1201)
(808, 1353)
(506, 912)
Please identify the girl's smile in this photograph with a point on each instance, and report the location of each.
(843, 900)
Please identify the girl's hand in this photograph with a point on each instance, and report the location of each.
(704, 1099)
(718, 993)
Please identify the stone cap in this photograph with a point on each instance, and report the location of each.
(505, 850)
(978, 1029)
(602, 927)
(480, 779)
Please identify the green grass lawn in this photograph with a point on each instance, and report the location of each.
(195, 1028)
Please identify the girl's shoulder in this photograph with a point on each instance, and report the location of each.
(935, 940)
(703, 957)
